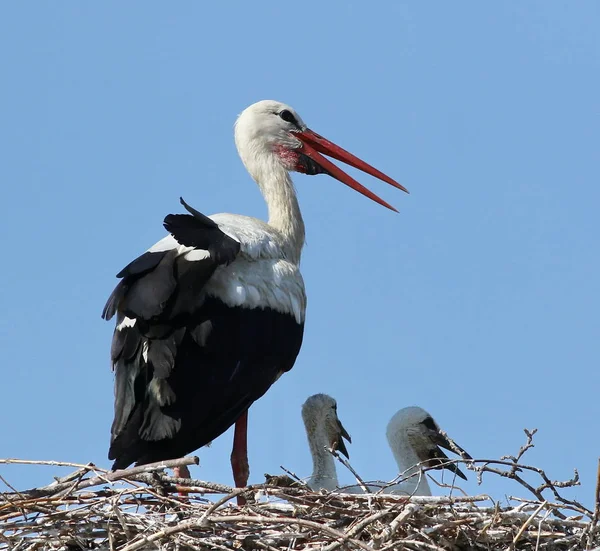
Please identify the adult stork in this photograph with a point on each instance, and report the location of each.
(213, 314)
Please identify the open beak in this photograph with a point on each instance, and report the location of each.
(313, 145)
(441, 440)
(339, 445)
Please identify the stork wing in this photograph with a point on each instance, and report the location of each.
(186, 364)
(149, 285)
(154, 301)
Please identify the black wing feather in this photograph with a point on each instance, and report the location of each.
(189, 231)
(216, 378)
(190, 365)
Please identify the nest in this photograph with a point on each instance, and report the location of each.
(144, 508)
(140, 509)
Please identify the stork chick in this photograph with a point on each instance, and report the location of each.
(416, 439)
(324, 431)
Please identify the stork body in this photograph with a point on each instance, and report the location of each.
(235, 338)
(213, 314)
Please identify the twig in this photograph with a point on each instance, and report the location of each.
(402, 517)
(358, 528)
(10, 461)
(526, 524)
(113, 476)
(596, 515)
(346, 464)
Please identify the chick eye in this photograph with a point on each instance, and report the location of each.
(287, 116)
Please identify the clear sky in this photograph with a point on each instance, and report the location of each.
(479, 301)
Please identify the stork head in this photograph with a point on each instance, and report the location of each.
(415, 428)
(271, 134)
(319, 414)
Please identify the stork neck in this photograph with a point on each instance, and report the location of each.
(284, 211)
(324, 474)
(278, 190)
(408, 466)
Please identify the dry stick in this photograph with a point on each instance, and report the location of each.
(299, 522)
(527, 445)
(265, 546)
(217, 504)
(121, 519)
(412, 543)
(390, 530)
(241, 518)
(193, 485)
(539, 532)
(346, 464)
(425, 467)
(293, 475)
(421, 500)
(16, 503)
(596, 508)
(78, 474)
(452, 486)
(10, 461)
(553, 505)
(537, 492)
(526, 524)
(15, 491)
(548, 484)
(113, 476)
(357, 528)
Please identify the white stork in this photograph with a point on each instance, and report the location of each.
(324, 431)
(416, 440)
(213, 314)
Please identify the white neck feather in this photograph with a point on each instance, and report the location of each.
(284, 211)
(324, 473)
(278, 190)
(407, 461)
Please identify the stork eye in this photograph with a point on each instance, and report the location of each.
(287, 116)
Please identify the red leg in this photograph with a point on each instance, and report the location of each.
(182, 472)
(239, 455)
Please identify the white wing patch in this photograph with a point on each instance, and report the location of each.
(161, 392)
(195, 254)
(189, 253)
(257, 238)
(127, 322)
(260, 277)
(268, 283)
(165, 244)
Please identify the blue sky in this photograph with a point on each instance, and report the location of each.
(478, 302)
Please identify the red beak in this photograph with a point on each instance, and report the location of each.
(313, 145)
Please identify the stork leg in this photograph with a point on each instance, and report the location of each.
(239, 455)
(182, 472)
